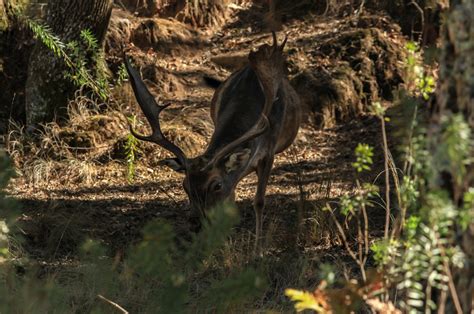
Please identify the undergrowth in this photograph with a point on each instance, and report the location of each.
(416, 257)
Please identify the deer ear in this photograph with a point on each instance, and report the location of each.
(173, 163)
(237, 160)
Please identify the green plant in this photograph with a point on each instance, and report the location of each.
(418, 80)
(364, 154)
(164, 271)
(416, 260)
(122, 74)
(132, 148)
(84, 59)
(455, 152)
(355, 207)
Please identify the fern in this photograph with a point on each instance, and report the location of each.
(418, 270)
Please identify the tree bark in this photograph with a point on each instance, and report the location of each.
(456, 95)
(47, 90)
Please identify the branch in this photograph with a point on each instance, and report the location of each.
(118, 307)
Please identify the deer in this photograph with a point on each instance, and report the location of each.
(256, 114)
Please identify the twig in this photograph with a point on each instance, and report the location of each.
(366, 224)
(397, 228)
(422, 14)
(346, 244)
(366, 233)
(62, 236)
(387, 179)
(442, 302)
(360, 238)
(452, 287)
(327, 8)
(118, 307)
(302, 194)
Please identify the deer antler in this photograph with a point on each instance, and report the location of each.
(152, 111)
(258, 129)
(268, 64)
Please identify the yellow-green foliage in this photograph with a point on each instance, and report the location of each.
(305, 300)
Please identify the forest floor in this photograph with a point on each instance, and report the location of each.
(67, 200)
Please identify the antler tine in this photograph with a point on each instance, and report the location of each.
(275, 41)
(259, 128)
(152, 111)
(282, 46)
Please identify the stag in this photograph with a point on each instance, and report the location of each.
(256, 114)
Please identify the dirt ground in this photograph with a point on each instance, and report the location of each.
(87, 196)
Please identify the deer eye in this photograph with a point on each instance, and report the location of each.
(216, 186)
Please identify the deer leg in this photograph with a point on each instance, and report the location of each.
(263, 173)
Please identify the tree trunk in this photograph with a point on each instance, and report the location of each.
(456, 95)
(47, 90)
